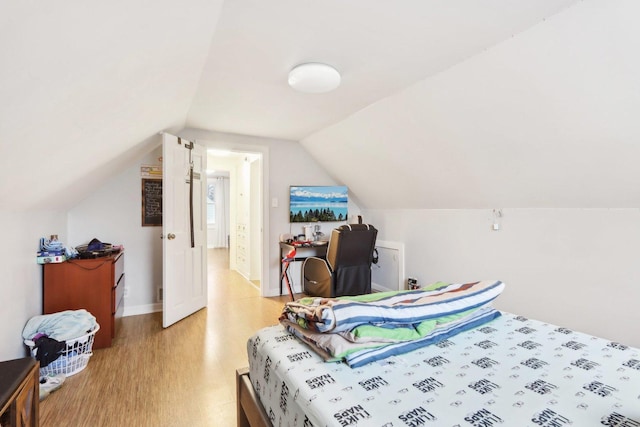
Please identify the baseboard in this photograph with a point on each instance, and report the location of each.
(378, 288)
(271, 292)
(141, 309)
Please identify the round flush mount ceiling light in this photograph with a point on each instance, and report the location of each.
(314, 77)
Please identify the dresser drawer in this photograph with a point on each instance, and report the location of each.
(117, 294)
(118, 269)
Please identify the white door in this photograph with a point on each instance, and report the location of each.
(184, 268)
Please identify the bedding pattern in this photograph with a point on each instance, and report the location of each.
(512, 371)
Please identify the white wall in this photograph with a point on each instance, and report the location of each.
(112, 214)
(574, 267)
(21, 283)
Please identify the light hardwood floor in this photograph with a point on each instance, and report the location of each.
(180, 376)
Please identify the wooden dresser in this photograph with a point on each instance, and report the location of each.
(19, 392)
(97, 285)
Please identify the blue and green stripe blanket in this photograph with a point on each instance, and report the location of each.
(370, 327)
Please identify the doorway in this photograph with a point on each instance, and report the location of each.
(234, 214)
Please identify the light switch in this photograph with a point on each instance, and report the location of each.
(274, 202)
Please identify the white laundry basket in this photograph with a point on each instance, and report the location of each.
(73, 359)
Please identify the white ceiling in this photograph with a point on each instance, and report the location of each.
(379, 47)
(443, 104)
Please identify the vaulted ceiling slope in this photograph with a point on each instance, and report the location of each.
(547, 118)
(462, 103)
(85, 85)
(378, 46)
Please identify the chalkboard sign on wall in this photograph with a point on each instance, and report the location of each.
(151, 202)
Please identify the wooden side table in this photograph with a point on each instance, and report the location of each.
(20, 392)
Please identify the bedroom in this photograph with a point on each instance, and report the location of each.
(547, 107)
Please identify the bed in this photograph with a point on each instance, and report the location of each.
(510, 371)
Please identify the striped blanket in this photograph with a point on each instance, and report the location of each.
(390, 308)
(365, 328)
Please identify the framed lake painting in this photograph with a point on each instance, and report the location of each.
(318, 203)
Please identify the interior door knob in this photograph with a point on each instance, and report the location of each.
(171, 236)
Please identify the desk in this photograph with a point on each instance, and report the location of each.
(302, 253)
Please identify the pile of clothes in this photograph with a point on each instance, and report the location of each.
(50, 332)
(365, 328)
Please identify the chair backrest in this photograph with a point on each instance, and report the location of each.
(351, 244)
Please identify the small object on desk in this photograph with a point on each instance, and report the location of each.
(308, 232)
(288, 238)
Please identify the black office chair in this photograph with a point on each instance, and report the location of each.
(347, 269)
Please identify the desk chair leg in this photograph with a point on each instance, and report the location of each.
(285, 276)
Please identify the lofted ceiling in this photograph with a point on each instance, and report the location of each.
(461, 103)
(379, 47)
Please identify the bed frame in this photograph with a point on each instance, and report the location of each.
(250, 411)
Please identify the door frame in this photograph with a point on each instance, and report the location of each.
(264, 226)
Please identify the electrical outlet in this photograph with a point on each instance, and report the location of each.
(126, 292)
